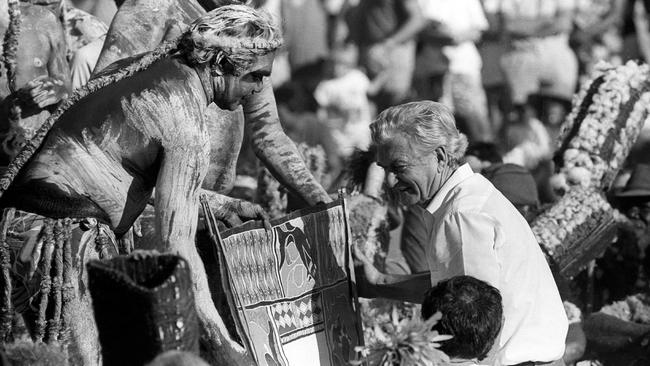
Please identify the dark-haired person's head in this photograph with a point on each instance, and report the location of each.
(472, 313)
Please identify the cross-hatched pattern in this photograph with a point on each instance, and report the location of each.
(301, 313)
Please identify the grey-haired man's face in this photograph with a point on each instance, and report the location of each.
(414, 172)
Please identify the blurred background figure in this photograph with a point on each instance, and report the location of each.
(35, 75)
(596, 36)
(384, 31)
(343, 100)
(453, 28)
(538, 59)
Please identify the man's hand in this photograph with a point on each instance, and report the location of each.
(44, 91)
(371, 273)
(236, 212)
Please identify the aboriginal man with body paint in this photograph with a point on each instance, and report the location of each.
(139, 125)
(141, 25)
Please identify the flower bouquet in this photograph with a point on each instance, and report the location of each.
(403, 341)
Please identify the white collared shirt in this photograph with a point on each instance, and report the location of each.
(478, 232)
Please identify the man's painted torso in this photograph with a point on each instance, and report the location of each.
(108, 147)
(139, 26)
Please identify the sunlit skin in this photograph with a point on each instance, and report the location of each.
(418, 175)
(141, 25)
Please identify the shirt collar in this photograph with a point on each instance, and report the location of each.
(460, 174)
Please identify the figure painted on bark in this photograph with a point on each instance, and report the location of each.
(139, 125)
(34, 75)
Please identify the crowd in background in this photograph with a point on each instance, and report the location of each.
(507, 68)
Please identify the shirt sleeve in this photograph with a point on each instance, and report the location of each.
(465, 245)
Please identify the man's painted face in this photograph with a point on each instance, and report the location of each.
(414, 172)
(236, 88)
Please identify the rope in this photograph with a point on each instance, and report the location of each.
(6, 308)
(9, 56)
(10, 44)
(46, 281)
(57, 282)
(68, 289)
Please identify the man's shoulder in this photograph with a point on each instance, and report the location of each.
(470, 195)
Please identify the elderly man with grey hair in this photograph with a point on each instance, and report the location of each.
(473, 229)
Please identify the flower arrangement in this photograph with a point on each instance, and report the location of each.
(270, 193)
(369, 228)
(401, 338)
(571, 219)
(634, 308)
(573, 313)
(606, 119)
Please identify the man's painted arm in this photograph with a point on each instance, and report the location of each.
(135, 29)
(275, 148)
(176, 197)
(177, 206)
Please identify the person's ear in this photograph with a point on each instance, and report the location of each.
(441, 155)
(219, 64)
